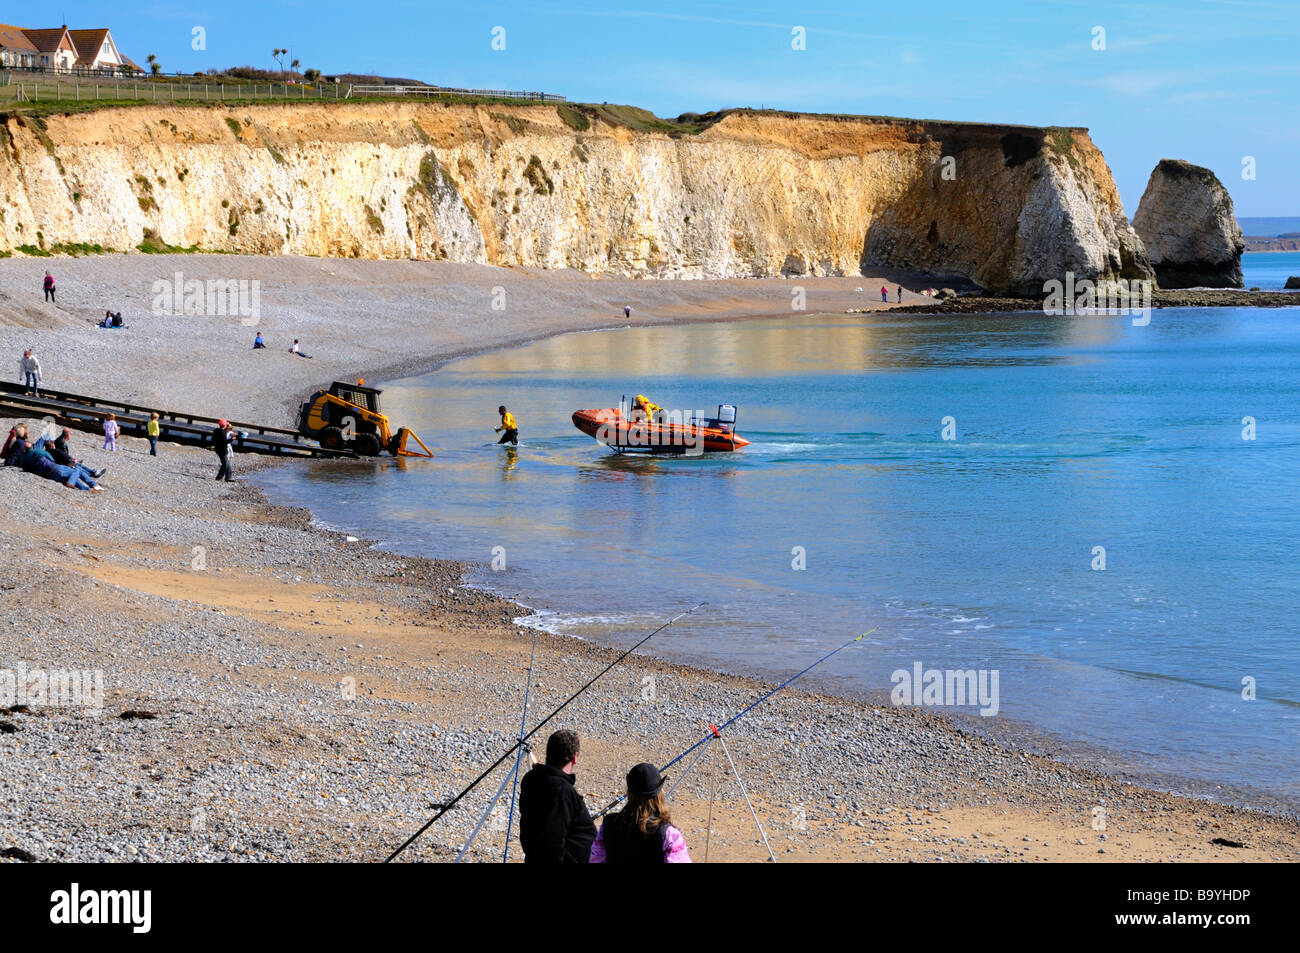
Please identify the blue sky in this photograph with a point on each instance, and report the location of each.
(1211, 81)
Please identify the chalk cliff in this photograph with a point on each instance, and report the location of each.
(752, 193)
(1187, 223)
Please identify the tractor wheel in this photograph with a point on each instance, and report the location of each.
(367, 445)
(331, 438)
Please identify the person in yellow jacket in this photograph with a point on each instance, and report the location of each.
(508, 424)
(151, 430)
(647, 407)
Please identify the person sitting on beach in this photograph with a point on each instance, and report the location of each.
(62, 455)
(29, 372)
(36, 460)
(17, 433)
(509, 425)
(112, 320)
(259, 343)
(554, 825)
(643, 832)
(294, 349)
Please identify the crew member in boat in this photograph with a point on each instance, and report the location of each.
(649, 408)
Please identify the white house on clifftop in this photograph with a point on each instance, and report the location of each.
(58, 48)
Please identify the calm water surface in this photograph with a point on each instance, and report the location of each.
(979, 552)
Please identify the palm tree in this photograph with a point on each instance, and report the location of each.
(154, 66)
(295, 64)
(278, 55)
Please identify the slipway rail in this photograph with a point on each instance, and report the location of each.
(195, 430)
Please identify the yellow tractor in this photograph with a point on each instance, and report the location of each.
(347, 417)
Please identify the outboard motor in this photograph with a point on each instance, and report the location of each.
(727, 416)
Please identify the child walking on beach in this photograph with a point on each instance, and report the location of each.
(151, 429)
(111, 430)
(29, 372)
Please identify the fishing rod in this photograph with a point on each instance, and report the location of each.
(715, 732)
(519, 756)
(512, 774)
(444, 808)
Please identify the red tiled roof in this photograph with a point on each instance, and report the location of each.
(48, 41)
(87, 40)
(13, 38)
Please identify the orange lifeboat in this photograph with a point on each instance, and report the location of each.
(614, 428)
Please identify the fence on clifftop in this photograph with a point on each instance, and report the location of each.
(22, 87)
(430, 91)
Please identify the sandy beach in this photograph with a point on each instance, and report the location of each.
(294, 694)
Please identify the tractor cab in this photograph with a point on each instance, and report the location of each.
(358, 394)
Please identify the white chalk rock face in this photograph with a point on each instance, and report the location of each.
(601, 191)
(1187, 223)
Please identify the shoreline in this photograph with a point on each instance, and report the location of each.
(1003, 732)
(923, 761)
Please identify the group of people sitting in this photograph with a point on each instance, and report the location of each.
(556, 828)
(112, 319)
(50, 459)
(259, 344)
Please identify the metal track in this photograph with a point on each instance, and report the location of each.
(88, 413)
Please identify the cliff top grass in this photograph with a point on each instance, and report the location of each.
(577, 116)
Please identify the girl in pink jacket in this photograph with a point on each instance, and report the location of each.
(111, 430)
(641, 833)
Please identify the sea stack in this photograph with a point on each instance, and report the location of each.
(1186, 221)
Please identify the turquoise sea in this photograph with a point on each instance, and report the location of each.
(1112, 527)
(1269, 270)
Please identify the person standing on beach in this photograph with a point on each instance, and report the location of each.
(643, 832)
(49, 287)
(151, 429)
(554, 825)
(111, 430)
(29, 372)
(509, 425)
(222, 437)
(900, 294)
(884, 294)
(627, 311)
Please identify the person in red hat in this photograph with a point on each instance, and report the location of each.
(222, 437)
(643, 832)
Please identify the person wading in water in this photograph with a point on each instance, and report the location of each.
(509, 425)
(643, 832)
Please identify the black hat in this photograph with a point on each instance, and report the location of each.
(644, 780)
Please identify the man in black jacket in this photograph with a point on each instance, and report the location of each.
(61, 455)
(222, 437)
(554, 826)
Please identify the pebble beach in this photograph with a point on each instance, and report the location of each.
(277, 691)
